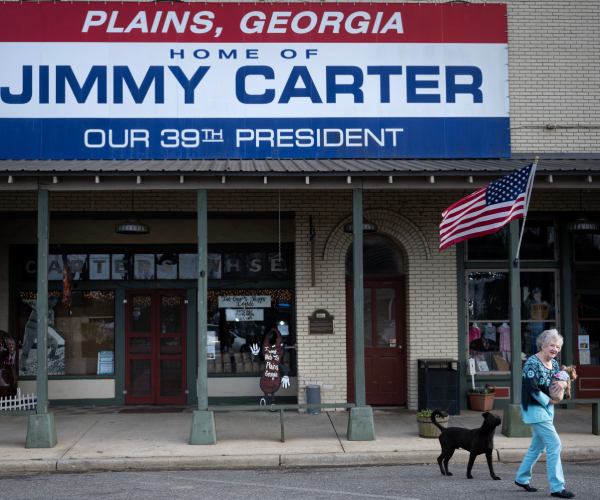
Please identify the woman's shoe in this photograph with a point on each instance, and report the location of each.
(526, 487)
(563, 494)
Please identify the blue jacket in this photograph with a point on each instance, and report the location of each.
(535, 392)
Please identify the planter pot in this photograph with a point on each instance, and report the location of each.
(427, 429)
(482, 402)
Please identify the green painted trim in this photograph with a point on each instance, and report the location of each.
(250, 400)
(191, 335)
(120, 347)
(85, 402)
(461, 322)
(359, 307)
(43, 235)
(202, 299)
(515, 313)
(566, 296)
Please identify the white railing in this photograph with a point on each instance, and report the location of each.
(18, 402)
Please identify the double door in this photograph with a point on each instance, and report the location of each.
(384, 340)
(155, 331)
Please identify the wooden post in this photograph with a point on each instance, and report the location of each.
(360, 422)
(359, 306)
(202, 298)
(512, 423)
(203, 421)
(41, 432)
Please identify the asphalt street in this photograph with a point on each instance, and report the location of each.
(399, 483)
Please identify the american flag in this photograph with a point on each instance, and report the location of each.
(487, 210)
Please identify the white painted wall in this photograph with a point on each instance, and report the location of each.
(73, 389)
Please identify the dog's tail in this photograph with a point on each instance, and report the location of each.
(437, 414)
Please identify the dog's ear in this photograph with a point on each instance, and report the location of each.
(485, 415)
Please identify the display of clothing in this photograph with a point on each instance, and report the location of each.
(474, 333)
(504, 339)
(490, 332)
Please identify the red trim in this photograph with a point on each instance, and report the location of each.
(155, 356)
(61, 22)
(588, 376)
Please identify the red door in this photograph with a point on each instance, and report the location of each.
(587, 345)
(155, 371)
(385, 340)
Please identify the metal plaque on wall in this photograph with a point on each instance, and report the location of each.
(320, 323)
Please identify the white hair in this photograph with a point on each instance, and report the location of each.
(546, 336)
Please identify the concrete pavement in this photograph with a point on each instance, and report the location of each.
(101, 438)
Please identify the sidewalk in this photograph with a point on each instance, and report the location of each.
(102, 438)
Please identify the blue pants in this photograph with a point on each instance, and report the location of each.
(544, 437)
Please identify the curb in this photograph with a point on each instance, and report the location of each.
(272, 461)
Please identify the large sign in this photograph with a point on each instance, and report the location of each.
(136, 81)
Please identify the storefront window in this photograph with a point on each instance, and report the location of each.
(539, 243)
(489, 329)
(75, 338)
(586, 247)
(588, 329)
(237, 319)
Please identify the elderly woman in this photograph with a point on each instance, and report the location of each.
(541, 390)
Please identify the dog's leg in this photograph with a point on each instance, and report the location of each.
(488, 456)
(439, 460)
(446, 460)
(472, 458)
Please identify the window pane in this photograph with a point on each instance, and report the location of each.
(489, 247)
(140, 377)
(170, 346)
(381, 257)
(278, 268)
(122, 267)
(256, 265)
(140, 314)
(588, 306)
(488, 295)
(386, 316)
(530, 331)
(587, 280)
(368, 318)
(230, 336)
(538, 295)
(74, 337)
(188, 266)
(144, 266)
(586, 247)
(170, 377)
(590, 356)
(234, 266)
(490, 343)
(140, 346)
(166, 266)
(538, 240)
(170, 313)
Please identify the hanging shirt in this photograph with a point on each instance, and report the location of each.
(535, 392)
(504, 334)
(474, 333)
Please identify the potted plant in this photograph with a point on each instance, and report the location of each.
(426, 427)
(482, 398)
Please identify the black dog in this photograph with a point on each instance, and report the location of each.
(476, 441)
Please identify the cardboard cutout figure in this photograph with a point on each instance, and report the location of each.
(271, 379)
(30, 334)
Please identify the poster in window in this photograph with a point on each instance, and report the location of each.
(188, 266)
(482, 366)
(144, 266)
(99, 266)
(584, 356)
(584, 342)
(166, 266)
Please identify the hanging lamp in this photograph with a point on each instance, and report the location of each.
(582, 224)
(132, 225)
(368, 226)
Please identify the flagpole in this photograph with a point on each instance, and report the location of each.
(527, 199)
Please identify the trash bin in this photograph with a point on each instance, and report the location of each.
(439, 385)
(313, 397)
